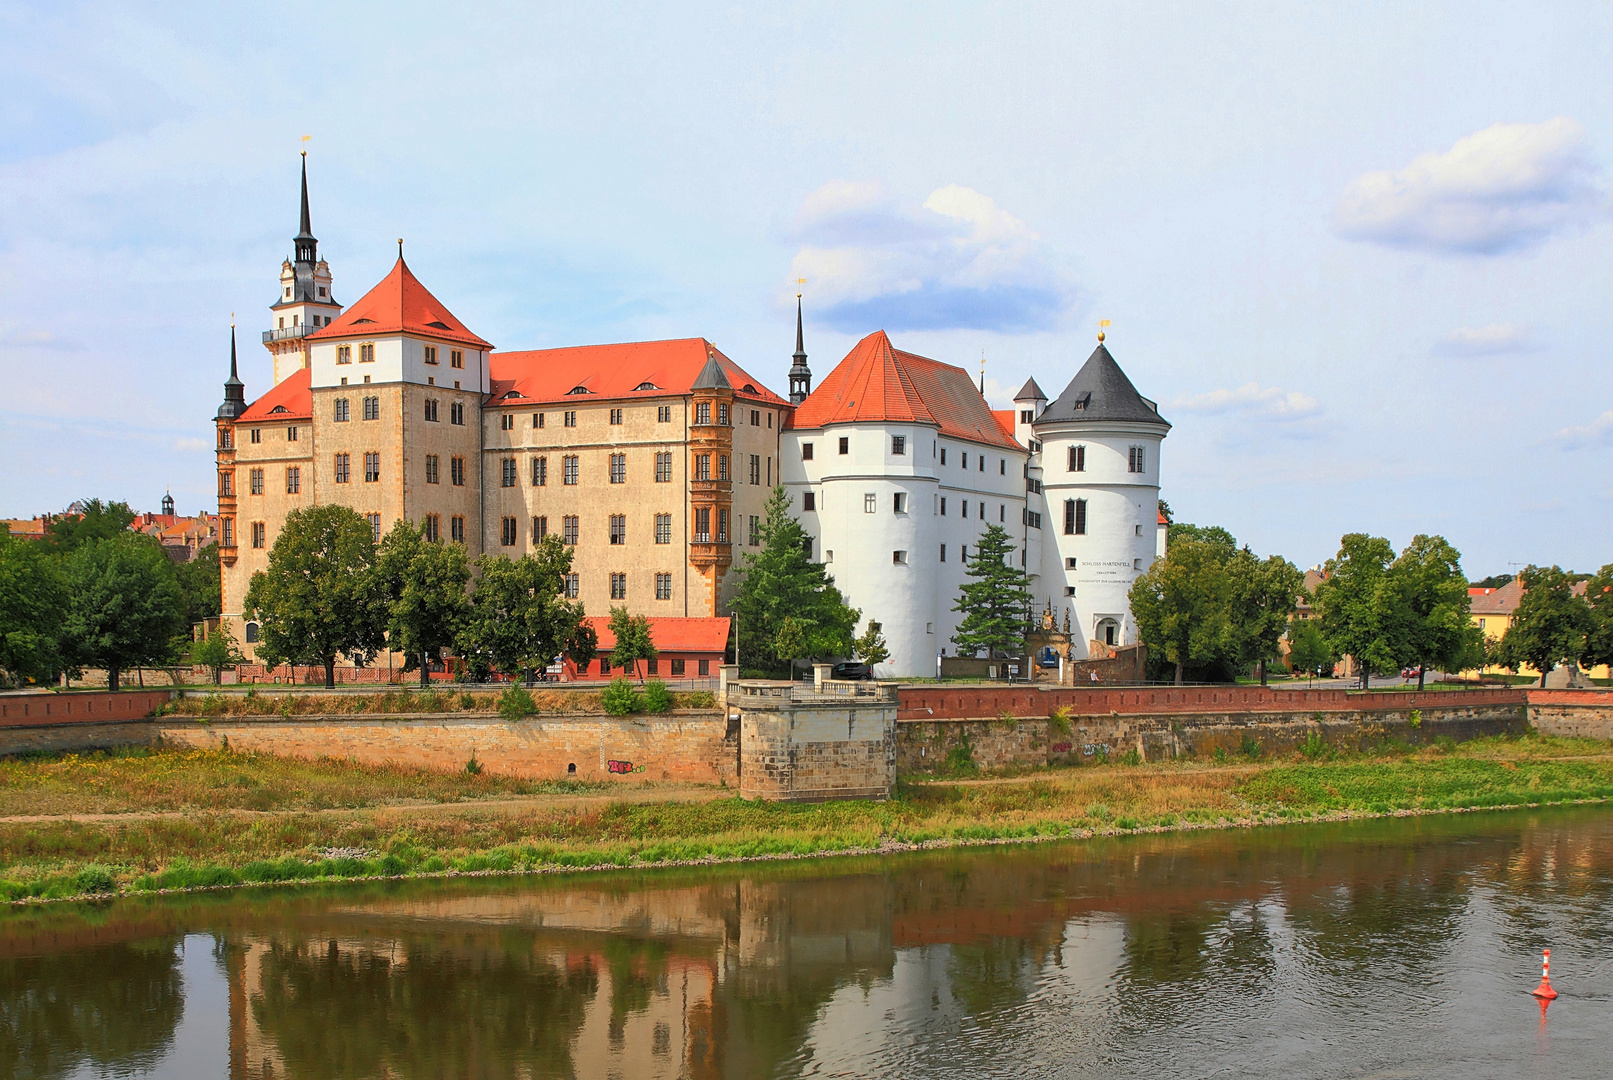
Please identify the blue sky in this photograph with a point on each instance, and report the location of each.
(1359, 253)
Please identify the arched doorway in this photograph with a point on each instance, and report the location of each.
(1108, 632)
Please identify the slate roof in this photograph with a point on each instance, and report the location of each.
(1030, 391)
(399, 305)
(1101, 391)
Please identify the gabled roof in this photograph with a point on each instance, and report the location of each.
(878, 383)
(1101, 391)
(632, 369)
(1005, 420)
(671, 635)
(1502, 600)
(1030, 392)
(399, 305)
(291, 394)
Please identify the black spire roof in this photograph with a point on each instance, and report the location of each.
(1101, 391)
(234, 389)
(711, 376)
(800, 374)
(1030, 392)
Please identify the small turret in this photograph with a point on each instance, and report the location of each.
(800, 374)
(168, 504)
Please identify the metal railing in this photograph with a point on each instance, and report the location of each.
(300, 330)
(831, 690)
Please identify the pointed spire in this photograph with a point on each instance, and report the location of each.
(800, 374)
(307, 224)
(307, 247)
(234, 389)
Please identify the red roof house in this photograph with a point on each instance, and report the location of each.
(689, 648)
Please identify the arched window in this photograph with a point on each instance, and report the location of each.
(251, 632)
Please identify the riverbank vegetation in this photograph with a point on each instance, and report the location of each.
(391, 702)
(210, 818)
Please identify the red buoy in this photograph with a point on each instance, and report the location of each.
(1544, 990)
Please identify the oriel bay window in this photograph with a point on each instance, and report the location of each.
(702, 525)
(702, 467)
(702, 412)
(226, 483)
(722, 466)
(722, 526)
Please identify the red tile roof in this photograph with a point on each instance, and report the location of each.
(1163, 520)
(672, 635)
(1005, 420)
(878, 383)
(291, 394)
(615, 371)
(399, 305)
(1501, 601)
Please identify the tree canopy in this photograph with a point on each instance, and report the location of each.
(995, 602)
(634, 642)
(66, 533)
(1599, 602)
(424, 587)
(1181, 603)
(124, 606)
(1263, 594)
(519, 621)
(1550, 625)
(870, 647)
(1436, 612)
(1357, 604)
(33, 596)
(319, 598)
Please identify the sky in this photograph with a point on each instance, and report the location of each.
(1358, 253)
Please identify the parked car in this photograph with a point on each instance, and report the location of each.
(1411, 672)
(852, 669)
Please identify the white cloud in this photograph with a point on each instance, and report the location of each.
(183, 445)
(957, 261)
(1598, 432)
(1507, 187)
(1253, 401)
(1495, 339)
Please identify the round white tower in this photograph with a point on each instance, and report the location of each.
(1099, 468)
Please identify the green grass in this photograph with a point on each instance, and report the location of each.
(258, 703)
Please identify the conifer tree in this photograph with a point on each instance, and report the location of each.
(780, 579)
(996, 603)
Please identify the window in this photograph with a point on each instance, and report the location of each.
(702, 467)
(1078, 459)
(704, 667)
(1031, 518)
(965, 508)
(663, 528)
(943, 553)
(677, 667)
(806, 451)
(540, 472)
(431, 354)
(1026, 415)
(845, 444)
(663, 591)
(722, 414)
(372, 467)
(899, 502)
(809, 502)
(1138, 460)
(1002, 512)
(618, 468)
(943, 506)
(507, 532)
(618, 528)
(755, 531)
(375, 527)
(982, 459)
(981, 514)
(228, 536)
(506, 422)
(456, 358)
(722, 466)
(755, 418)
(456, 527)
(506, 476)
(618, 586)
(540, 527)
(568, 470)
(1033, 486)
(344, 354)
(899, 445)
(943, 455)
(702, 525)
(255, 479)
(571, 587)
(1070, 563)
(702, 413)
(1075, 517)
(571, 417)
(722, 525)
(456, 471)
(568, 529)
(372, 408)
(870, 503)
(291, 434)
(293, 479)
(769, 419)
(259, 529)
(755, 468)
(1002, 466)
(226, 438)
(663, 414)
(964, 457)
(251, 632)
(663, 468)
(1136, 564)
(341, 468)
(616, 416)
(1137, 530)
(257, 435)
(341, 410)
(456, 413)
(963, 552)
(431, 410)
(433, 530)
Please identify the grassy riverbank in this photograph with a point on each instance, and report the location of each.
(182, 819)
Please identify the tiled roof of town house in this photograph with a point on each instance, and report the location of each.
(1498, 601)
(291, 395)
(644, 369)
(671, 635)
(1101, 391)
(878, 383)
(399, 305)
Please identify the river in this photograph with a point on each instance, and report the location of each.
(1393, 948)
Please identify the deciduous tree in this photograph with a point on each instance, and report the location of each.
(424, 587)
(1307, 649)
(789, 643)
(634, 642)
(98, 520)
(1262, 596)
(124, 608)
(1435, 609)
(1181, 602)
(199, 584)
(1599, 636)
(1550, 625)
(519, 621)
(216, 652)
(1358, 607)
(995, 602)
(33, 601)
(870, 648)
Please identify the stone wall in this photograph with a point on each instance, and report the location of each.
(1584, 713)
(798, 746)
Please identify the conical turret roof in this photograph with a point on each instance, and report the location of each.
(711, 377)
(1030, 392)
(1101, 391)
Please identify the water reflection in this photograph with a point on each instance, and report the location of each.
(1307, 951)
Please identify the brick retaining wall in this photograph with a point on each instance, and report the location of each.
(87, 707)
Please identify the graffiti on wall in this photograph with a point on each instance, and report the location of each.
(623, 767)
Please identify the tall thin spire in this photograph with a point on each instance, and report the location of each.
(307, 246)
(234, 389)
(307, 222)
(800, 374)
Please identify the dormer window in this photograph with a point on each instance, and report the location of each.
(288, 292)
(514, 394)
(1081, 402)
(276, 409)
(322, 290)
(577, 390)
(439, 324)
(646, 386)
(357, 321)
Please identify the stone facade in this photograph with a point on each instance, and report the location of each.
(799, 746)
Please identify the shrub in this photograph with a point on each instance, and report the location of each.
(657, 698)
(466, 703)
(1314, 747)
(473, 766)
(619, 698)
(1131, 757)
(1249, 747)
(960, 760)
(95, 879)
(1416, 718)
(1059, 722)
(1220, 755)
(516, 703)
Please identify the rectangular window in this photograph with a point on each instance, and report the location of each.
(1075, 517)
(722, 525)
(616, 416)
(540, 527)
(663, 414)
(568, 470)
(618, 468)
(226, 438)
(432, 468)
(257, 435)
(456, 527)
(663, 468)
(755, 418)
(366, 353)
(456, 471)
(507, 532)
(943, 455)
(845, 444)
(618, 528)
(702, 467)
(571, 417)
(899, 445)
(809, 502)
(506, 422)
(963, 553)
(344, 354)
(755, 531)
(537, 420)
(663, 528)
(663, 591)
(705, 667)
(255, 480)
(899, 557)
(870, 503)
(293, 480)
(291, 434)
(540, 472)
(722, 466)
(568, 529)
(965, 508)
(375, 527)
(507, 472)
(1078, 459)
(982, 466)
(677, 667)
(341, 468)
(943, 553)
(456, 358)
(431, 410)
(1026, 416)
(372, 468)
(228, 527)
(618, 586)
(572, 587)
(1031, 518)
(341, 410)
(702, 413)
(456, 413)
(981, 513)
(722, 414)
(702, 525)
(806, 451)
(756, 468)
(372, 408)
(899, 502)
(259, 530)
(433, 530)
(431, 354)
(943, 506)
(1139, 459)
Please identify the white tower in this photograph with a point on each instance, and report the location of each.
(306, 301)
(1099, 470)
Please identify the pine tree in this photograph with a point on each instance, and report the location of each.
(871, 648)
(996, 603)
(780, 579)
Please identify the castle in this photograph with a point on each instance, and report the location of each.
(654, 461)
